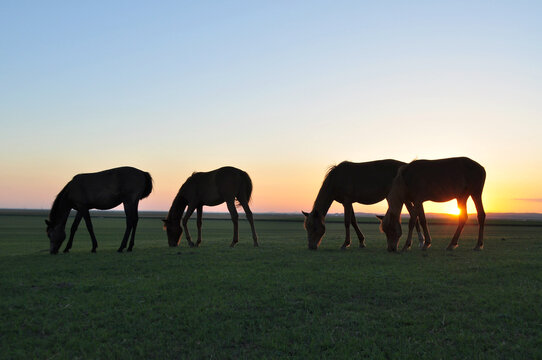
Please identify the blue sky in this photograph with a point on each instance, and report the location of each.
(282, 89)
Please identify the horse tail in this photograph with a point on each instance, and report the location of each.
(245, 188)
(148, 185)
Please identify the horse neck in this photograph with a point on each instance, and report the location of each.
(396, 197)
(177, 208)
(61, 208)
(323, 200)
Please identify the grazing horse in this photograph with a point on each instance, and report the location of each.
(102, 190)
(435, 180)
(366, 183)
(210, 189)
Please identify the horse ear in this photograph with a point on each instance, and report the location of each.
(166, 222)
(380, 217)
(305, 213)
(47, 222)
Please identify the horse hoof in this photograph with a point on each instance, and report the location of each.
(120, 250)
(451, 247)
(479, 248)
(256, 244)
(362, 245)
(66, 251)
(129, 250)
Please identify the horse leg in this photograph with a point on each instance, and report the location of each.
(418, 208)
(235, 220)
(411, 223)
(250, 219)
(90, 229)
(357, 230)
(199, 222)
(421, 239)
(75, 224)
(477, 199)
(347, 221)
(189, 212)
(133, 215)
(129, 226)
(462, 219)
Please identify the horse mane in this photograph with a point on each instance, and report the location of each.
(189, 179)
(53, 215)
(396, 196)
(325, 182)
(328, 178)
(330, 171)
(330, 168)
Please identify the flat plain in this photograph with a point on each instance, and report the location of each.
(276, 301)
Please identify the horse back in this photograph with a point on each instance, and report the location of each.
(214, 187)
(109, 188)
(443, 179)
(366, 183)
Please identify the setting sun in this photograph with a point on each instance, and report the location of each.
(449, 207)
(453, 210)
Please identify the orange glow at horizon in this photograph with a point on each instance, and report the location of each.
(275, 189)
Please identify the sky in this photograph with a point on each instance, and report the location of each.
(280, 89)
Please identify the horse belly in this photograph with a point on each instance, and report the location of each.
(104, 201)
(212, 198)
(366, 194)
(439, 191)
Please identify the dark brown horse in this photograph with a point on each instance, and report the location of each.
(102, 190)
(366, 183)
(209, 189)
(435, 180)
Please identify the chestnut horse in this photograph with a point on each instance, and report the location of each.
(366, 183)
(209, 189)
(435, 180)
(102, 190)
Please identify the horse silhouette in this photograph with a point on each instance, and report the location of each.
(435, 180)
(366, 183)
(101, 190)
(209, 189)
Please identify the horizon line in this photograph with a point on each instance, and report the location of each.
(279, 212)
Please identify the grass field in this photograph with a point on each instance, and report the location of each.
(276, 301)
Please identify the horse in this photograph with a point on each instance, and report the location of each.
(435, 180)
(366, 183)
(101, 190)
(212, 188)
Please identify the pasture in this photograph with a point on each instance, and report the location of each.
(276, 301)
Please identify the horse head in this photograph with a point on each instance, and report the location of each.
(316, 228)
(56, 235)
(391, 226)
(174, 232)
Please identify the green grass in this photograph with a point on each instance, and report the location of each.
(277, 301)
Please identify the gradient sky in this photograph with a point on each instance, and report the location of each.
(281, 89)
